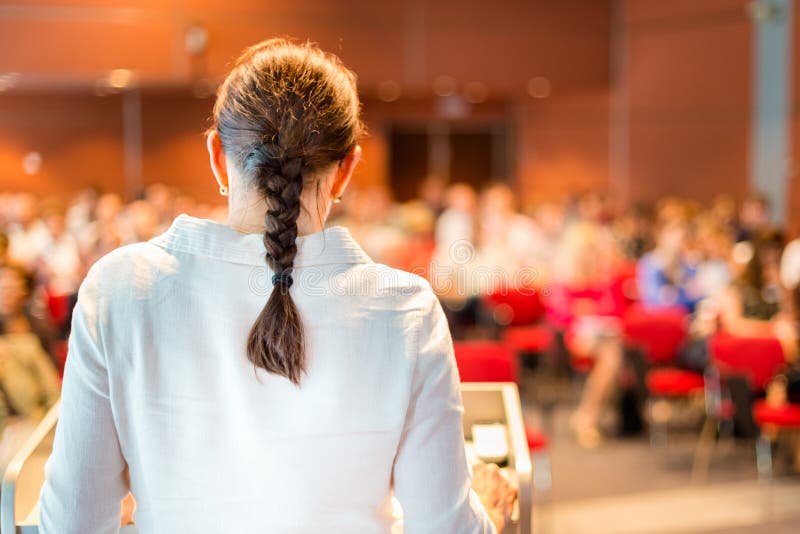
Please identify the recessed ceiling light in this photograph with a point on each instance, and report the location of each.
(445, 85)
(539, 87)
(8, 80)
(196, 40)
(120, 78)
(31, 163)
(389, 90)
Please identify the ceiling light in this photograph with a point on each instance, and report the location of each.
(120, 78)
(389, 90)
(539, 87)
(444, 85)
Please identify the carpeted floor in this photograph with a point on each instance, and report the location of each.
(627, 486)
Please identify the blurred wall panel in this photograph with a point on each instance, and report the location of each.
(68, 47)
(563, 144)
(793, 208)
(174, 148)
(688, 79)
(64, 50)
(77, 136)
(507, 43)
(501, 44)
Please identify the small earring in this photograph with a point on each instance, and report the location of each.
(337, 200)
(223, 190)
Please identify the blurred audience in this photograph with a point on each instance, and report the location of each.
(46, 248)
(29, 382)
(588, 256)
(586, 303)
(755, 304)
(666, 276)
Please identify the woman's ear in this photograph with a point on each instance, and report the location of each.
(345, 171)
(217, 158)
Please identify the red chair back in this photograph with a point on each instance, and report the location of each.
(660, 333)
(629, 284)
(757, 358)
(516, 306)
(485, 361)
(58, 306)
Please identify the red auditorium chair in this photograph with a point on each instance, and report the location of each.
(772, 420)
(492, 361)
(660, 333)
(629, 283)
(485, 361)
(60, 349)
(515, 306)
(520, 312)
(58, 306)
(758, 359)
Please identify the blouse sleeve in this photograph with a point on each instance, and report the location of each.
(84, 476)
(431, 477)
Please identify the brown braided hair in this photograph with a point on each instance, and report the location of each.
(285, 112)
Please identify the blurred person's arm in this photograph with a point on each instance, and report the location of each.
(690, 293)
(790, 265)
(85, 475)
(47, 376)
(4, 412)
(732, 318)
(431, 477)
(649, 281)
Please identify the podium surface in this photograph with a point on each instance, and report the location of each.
(484, 403)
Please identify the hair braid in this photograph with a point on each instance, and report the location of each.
(282, 190)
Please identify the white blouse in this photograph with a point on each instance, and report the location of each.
(158, 381)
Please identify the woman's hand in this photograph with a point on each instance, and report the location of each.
(127, 509)
(496, 493)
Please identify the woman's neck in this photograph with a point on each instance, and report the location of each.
(247, 215)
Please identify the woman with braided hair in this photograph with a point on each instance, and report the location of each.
(265, 375)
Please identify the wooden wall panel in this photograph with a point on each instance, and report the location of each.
(563, 145)
(410, 41)
(689, 86)
(78, 137)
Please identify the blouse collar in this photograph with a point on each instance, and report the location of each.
(204, 237)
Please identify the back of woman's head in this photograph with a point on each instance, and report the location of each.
(285, 113)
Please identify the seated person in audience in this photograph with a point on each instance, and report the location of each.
(506, 238)
(60, 265)
(586, 302)
(456, 225)
(26, 231)
(786, 386)
(753, 219)
(790, 265)
(633, 231)
(665, 277)
(29, 383)
(3, 248)
(754, 305)
(713, 248)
